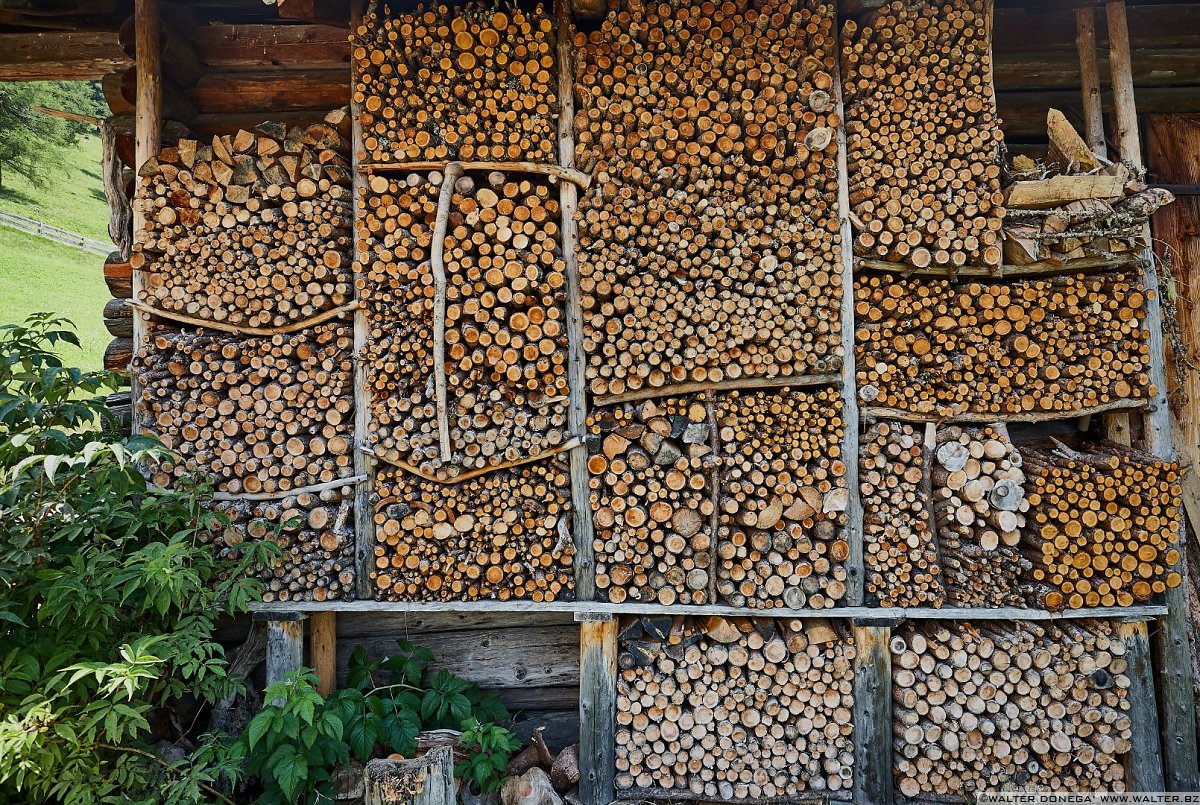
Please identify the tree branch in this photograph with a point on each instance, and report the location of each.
(207, 788)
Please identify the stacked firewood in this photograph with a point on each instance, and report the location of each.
(709, 241)
(900, 552)
(1035, 346)
(316, 533)
(728, 709)
(1105, 526)
(651, 468)
(255, 415)
(979, 504)
(1002, 705)
(923, 136)
(783, 499)
(505, 535)
(503, 339)
(251, 230)
(472, 83)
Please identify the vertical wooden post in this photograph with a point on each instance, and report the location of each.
(1089, 80)
(285, 644)
(322, 652)
(597, 707)
(147, 138)
(1172, 653)
(1144, 761)
(872, 713)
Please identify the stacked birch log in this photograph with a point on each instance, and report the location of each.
(1001, 705)
(709, 241)
(923, 136)
(732, 709)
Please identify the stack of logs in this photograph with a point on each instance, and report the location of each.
(1035, 346)
(899, 550)
(470, 83)
(316, 533)
(1001, 705)
(252, 230)
(1105, 527)
(255, 415)
(923, 136)
(504, 536)
(502, 338)
(979, 504)
(709, 242)
(732, 709)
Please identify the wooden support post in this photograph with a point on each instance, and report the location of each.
(385, 779)
(1144, 761)
(1089, 81)
(147, 138)
(872, 713)
(597, 707)
(285, 644)
(322, 652)
(1172, 653)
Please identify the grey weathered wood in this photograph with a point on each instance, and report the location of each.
(872, 715)
(358, 625)
(876, 412)
(1089, 81)
(695, 387)
(1082, 265)
(285, 648)
(434, 769)
(1144, 763)
(597, 710)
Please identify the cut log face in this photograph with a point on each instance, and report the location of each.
(255, 415)
(316, 533)
(503, 536)
(754, 718)
(922, 134)
(997, 704)
(1036, 346)
(469, 83)
(709, 242)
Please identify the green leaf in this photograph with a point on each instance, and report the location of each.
(258, 728)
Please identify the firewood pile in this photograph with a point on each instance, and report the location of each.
(503, 536)
(315, 531)
(733, 709)
(1032, 346)
(251, 230)
(266, 414)
(999, 705)
(709, 242)
(1105, 526)
(923, 136)
(471, 83)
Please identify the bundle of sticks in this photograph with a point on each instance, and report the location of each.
(783, 499)
(1004, 705)
(900, 552)
(922, 134)
(505, 535)
(502, 336)
(251, 230)
(723, 709)
(651, 467)
(254, 415)
(979, 504)
(1105, 526)
(1035, 346)
(473, 82)
(709, 240)
(316, 533)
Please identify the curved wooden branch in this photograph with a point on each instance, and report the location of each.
(569, 444)
(234, 329)
(721, 385)
(437, 262)
(1084, 265)
(987, 418)
(567, 174)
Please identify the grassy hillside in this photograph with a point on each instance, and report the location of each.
(74, 199)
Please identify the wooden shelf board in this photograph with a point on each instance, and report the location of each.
(678, 389)
(876, 412)
(1083, 265)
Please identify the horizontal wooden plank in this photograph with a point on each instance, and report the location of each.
(550, 697)
(1024, 112)
(237, 48)
(272, 91)
(561, 727)
(358, 625)
(60, 55)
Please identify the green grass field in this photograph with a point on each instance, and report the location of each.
(74, 199)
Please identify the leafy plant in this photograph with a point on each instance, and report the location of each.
(490, 747)
(108, 599)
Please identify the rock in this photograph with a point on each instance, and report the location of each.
(531, 788)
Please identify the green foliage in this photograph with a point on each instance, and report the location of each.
(31, 142)
(108, 600)
(297, 741)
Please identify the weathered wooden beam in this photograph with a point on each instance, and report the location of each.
(147, 135)
(1089, 80)
(238, 48)
(285, 646)
(60, 56)
(180, 62)
(322, 651)
(1144, 763)
(1024, 112)
(273, 92)
(597, 708)
(873, 715)
(328, 12)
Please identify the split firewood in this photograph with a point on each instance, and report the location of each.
(922, 134)
(899, 549)
(1031, 346)
(316, 532)
(505, 536)
(709, 242)
(979, 507)
(1001, 705)
(475, 82)
(764, 713)
(783, 499)
(1104, 527)
(255, 415)
(252, 229)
